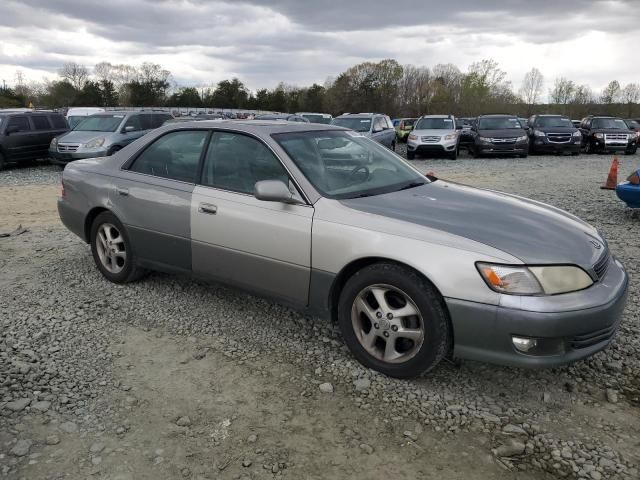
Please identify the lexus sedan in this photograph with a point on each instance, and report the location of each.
(321, 218)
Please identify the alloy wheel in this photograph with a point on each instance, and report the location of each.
(387, 323)
(111, 248)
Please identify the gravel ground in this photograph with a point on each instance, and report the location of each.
(170, 378)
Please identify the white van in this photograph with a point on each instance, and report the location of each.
(76, 115)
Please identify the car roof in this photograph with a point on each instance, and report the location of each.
(263, 127)
(498, 115)
(437, 116)
(356, 115)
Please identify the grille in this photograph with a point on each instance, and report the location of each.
(601, 266)
(592, 338)
(559, 137)
(67, 147)
(430, 139)
(616, 136)
(503, 140)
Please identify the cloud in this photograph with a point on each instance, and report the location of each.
(300, 42)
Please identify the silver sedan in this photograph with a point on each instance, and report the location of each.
(327, 221)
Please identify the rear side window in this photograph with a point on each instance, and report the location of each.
(158, 120)
(58, 121)
(175, 155)
(146, 121)
(21, 122)
(40, 122)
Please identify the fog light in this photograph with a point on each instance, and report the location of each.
(523, 344)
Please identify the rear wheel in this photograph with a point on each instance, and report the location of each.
(393, 320)
(112, 250)
(411, 155)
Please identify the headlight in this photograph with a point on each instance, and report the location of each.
(484, 139)
(54, 142)
(577, 133)
(521, 280)
(522, 138)
(95, 143)
(598, 135)
(539, 133)
(412, 136)
(451, 136)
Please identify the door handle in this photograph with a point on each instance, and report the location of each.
(207, 208)
(123, 191)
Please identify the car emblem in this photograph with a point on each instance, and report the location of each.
(595, 244)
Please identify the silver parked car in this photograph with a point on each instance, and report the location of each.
(103, 134)
(328, 221)
(376, 126)
(434, 135)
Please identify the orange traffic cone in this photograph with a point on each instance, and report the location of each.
(612, 179)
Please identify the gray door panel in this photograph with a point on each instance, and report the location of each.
(263, 246)
(156, 213)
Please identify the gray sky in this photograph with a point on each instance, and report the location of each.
(304, 41)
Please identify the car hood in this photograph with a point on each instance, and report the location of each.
(76, 136)
(433, 132)
(506, 133)
(531, 231)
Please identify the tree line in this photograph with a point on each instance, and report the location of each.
(385, 86)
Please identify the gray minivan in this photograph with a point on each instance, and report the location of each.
(376, 126)
(103, 134)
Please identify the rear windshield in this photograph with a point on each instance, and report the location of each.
(100, 123)
(317, 119)
(499, 123)
(609, 123)
(553, 122)
(354, 123)
(435, 124)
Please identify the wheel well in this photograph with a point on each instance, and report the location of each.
(88, 221)
(349, 270)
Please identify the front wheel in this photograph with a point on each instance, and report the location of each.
(454, 154)
(588, 148)
(628, 151)
(411, 155)
(393, 320)
(2, 164)
(393, 146)
(112, 250)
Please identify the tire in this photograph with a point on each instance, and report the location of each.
(628, 151)
(393, 146)
(411, 155)
(524, 155)
(2, 162)
(113, 150)
(122, 268)
(474, 152)
(428, 335)
(453, 155)
(588, 148)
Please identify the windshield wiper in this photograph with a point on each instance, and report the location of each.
(411, 185)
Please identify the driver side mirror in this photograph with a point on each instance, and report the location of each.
(12, 129)
(458, 127)
(129, 128)
(274, 191)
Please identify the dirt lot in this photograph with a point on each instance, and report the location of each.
(170, 378)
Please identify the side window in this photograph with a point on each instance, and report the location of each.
(159, 119)
(379, 123)
(40, 122)
(134, 122)
(146, 121)
(236, 162)
(58, 121)
(389, 122)
(175, 155)
(21, 122)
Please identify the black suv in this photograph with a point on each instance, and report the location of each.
(499, 135)
(553, 133)
(26, 135)
(607, 134)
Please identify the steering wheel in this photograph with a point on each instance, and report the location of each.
(360, 168)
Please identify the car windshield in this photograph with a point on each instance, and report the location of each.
(358, 124)
(435, 124)
(553, 122)
(614, 123)
(317, 118)
(343, 165)
(100, 123)
(75, 120)
(499, 123)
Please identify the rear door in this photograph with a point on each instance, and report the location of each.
(236, 238)
(135, 127)
(19, 145)
(43, 133)
(152, 197)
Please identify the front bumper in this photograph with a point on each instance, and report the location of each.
(541, 145)
(502, 149)
(424, 148)
(582, 323)
(64, 158)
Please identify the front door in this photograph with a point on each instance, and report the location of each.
(236, 238)
(20, 144)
